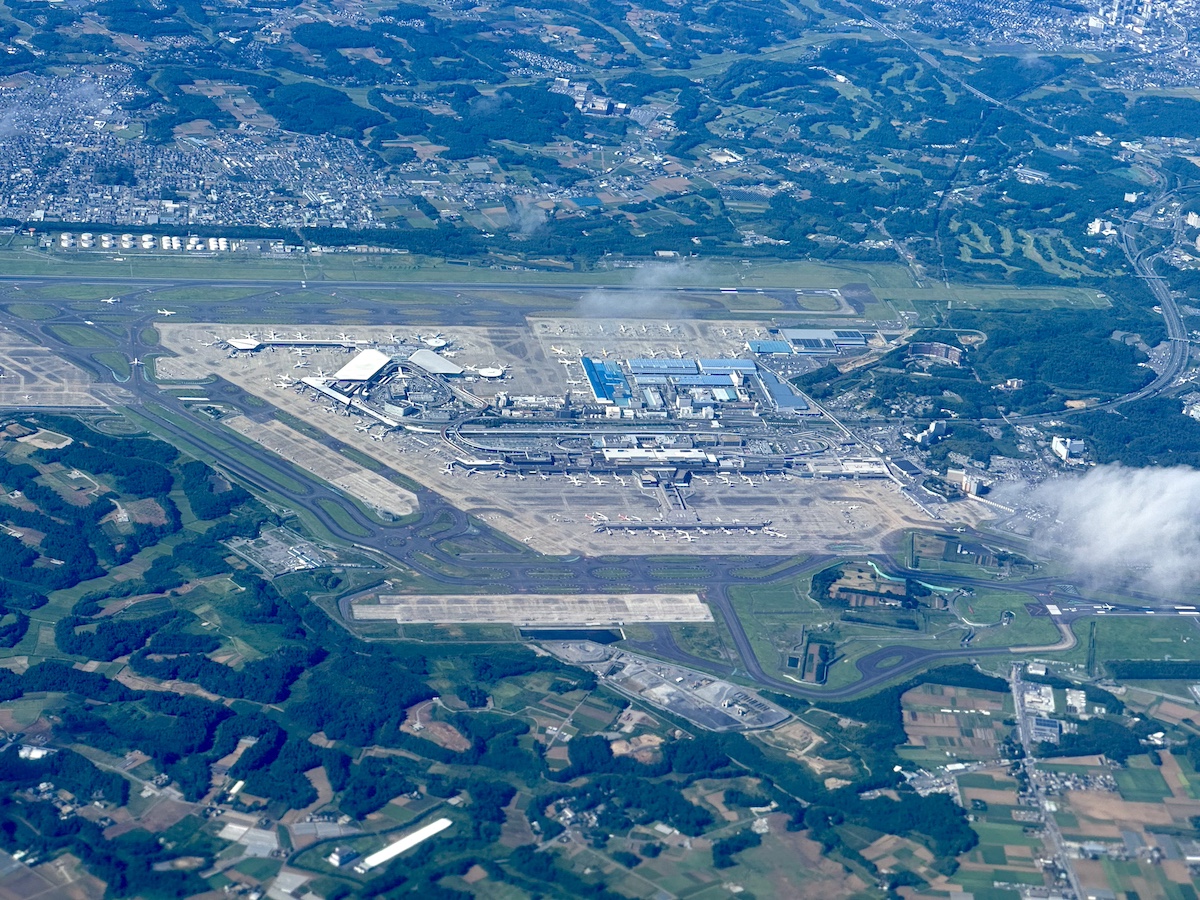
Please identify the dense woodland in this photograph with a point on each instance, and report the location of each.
(321, 679)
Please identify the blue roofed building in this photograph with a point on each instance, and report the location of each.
(607, 381)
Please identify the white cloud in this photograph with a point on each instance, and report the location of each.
(1116, 525)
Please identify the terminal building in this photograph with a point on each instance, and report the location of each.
(820, 340)
(661, 420)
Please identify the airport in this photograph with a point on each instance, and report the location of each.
(662, 431)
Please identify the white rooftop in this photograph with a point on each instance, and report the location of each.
(434, 363)
(363, 367)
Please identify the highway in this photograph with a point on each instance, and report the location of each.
(417, 545)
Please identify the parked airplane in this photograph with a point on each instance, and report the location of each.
(166, 312)
(111, 300)
(575, 481)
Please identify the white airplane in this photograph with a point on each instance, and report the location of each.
(575, 481)
(449, 470)
(501, 474)
(543, 476)
(683, 534)
(678, 352)
(773, 533)
(621, 480)
(90, 322)
(726, 480)
(362, 428)
(520, 477)
(558, 351)
(303, 364)
(166, 312)
(321, 373)
(272, 335)
(342, 336)
(596, 479)
(111, 300)
(135, 362)
(667, 328)
(283, 383)
(301, 336)
(574, 383)
(707, 481)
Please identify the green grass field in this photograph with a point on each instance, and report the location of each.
(115, 360)
(338, 513)
(988, 606)
(83, 336)
(33, 312)
(1148, 638)
(1142, 785)
(997, 297)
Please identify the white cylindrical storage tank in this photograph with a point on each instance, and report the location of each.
(212, 243)
(164, 242)
(176, 244)
(222, 243)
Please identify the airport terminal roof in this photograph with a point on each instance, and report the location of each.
(727, 366)
(781, 347)
(690, 381)
(781, 393)
(605, 379)
(244, 343)
(434, 363)
(661, 366)
(363, 367)
(836, 336)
